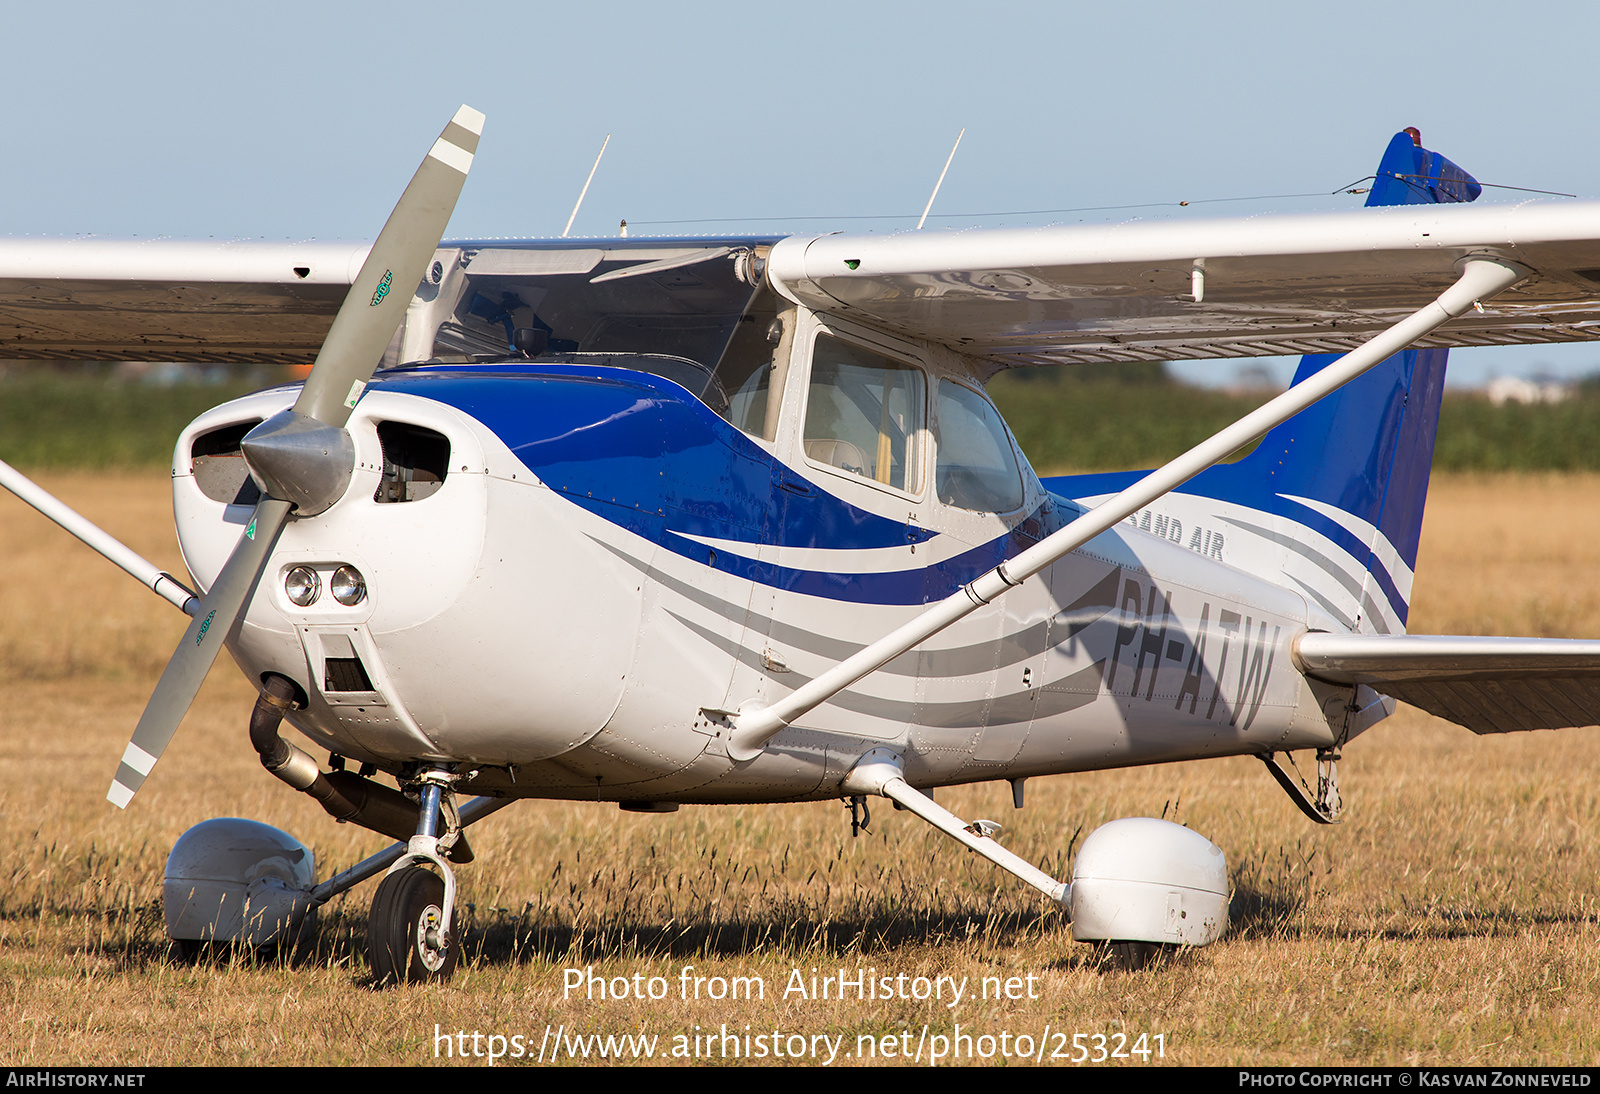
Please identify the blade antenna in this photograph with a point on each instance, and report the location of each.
(947, 162)
(585, 191)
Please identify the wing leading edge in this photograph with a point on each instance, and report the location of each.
(1488, 685)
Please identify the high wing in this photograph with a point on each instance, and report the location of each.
(1489, 685)
(171, 300)
(1166, 290)
(1144, 290)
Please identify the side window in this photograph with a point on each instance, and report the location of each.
(977, 468)
(864, 412)
(752, 369)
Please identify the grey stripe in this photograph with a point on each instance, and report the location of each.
(969, 660)
(1068, 693)
(1374, 613)
(1327, 604)
(1316, 558)
(129, 777)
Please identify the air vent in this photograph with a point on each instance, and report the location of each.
(415, 460)
(219, 468)
(345, 674)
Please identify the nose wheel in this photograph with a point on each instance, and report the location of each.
(408, 938)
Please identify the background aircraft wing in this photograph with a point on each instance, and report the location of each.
(1489, 685)
(1268, 285)
(171, 300)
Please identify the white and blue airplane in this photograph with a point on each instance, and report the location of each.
(669, 521)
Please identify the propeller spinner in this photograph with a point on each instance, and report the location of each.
(303, 458)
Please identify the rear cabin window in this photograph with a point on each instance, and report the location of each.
(977, 467)
(865, 414)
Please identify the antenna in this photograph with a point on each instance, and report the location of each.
(596, 167)
(938, 184)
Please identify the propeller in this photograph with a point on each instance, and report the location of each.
(303, 457)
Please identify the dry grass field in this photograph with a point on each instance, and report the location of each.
(1454, 918)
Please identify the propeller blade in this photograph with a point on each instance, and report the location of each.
(303, 457)
(378, 297)
(180, 681)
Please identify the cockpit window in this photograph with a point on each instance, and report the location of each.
(751, 373)
(864, 414)
(695, 314)
(976, 466)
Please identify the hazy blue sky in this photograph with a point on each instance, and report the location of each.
(306, 120)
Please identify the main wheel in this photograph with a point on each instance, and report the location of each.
(1134, 956)
(403, 929)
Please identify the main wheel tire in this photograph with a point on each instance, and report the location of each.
(407, 911)
(1136, 956)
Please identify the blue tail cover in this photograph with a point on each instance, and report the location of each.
(1364, 450)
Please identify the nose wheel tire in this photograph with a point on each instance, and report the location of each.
(403, 940)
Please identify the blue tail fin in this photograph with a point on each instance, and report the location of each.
(1332, 499)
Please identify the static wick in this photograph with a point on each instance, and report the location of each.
(942, 174)
(584, 192)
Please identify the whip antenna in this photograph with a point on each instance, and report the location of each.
(582, 193)
(936, 185)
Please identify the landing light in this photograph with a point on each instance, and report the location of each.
(348, 586)
(303, 586)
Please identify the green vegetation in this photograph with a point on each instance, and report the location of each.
(96, 416)
(1108, 422)
(1096, 418)
(1475, 435)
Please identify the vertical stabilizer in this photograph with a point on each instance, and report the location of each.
(1333, 498)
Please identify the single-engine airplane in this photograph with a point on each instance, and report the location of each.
(668, 521)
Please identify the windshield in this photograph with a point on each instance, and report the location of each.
(686, 300)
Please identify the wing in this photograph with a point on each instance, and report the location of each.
(171, 300)
(1489, 685)
(1266, 285)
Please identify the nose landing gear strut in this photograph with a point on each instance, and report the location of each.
(409, 928)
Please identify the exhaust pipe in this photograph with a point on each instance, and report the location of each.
(344, 795)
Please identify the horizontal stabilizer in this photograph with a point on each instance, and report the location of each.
(1489, 685)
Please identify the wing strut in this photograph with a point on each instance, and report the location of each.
(882, 772)
(98, 539)
(1481, 278)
